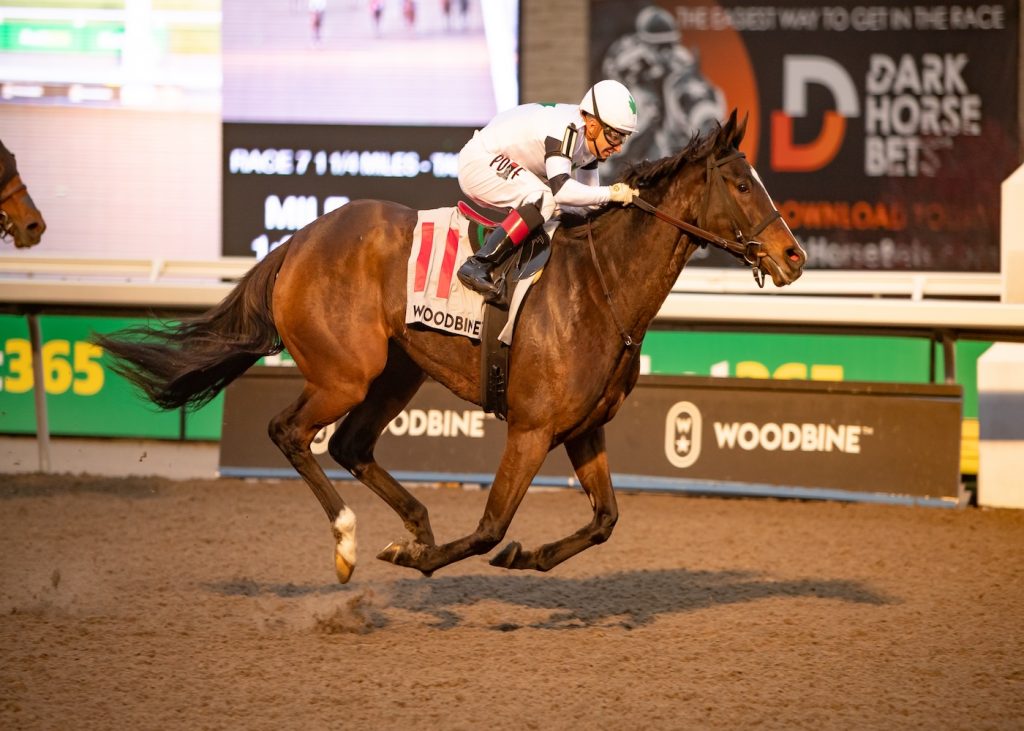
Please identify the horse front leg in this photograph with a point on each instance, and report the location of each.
(590, 461)
(524, 453)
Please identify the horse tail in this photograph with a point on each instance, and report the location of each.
(189, 362)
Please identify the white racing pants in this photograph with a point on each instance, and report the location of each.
(495, 180)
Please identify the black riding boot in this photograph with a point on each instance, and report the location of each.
(476, 272)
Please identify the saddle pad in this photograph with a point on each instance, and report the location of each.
(435, 296)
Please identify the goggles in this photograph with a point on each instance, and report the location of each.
(612, 135)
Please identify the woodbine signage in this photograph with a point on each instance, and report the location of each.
(684, 433)
(684, 436)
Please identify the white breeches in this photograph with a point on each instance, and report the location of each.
(494, 180)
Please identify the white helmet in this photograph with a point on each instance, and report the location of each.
(612, 104)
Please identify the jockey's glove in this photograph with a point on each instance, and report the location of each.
(622, 193)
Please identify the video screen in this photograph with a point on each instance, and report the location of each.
(161, 54)
(400, 62)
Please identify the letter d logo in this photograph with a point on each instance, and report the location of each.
(797, 73)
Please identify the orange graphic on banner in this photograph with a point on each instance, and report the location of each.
(790, 157)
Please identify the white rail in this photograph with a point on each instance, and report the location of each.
(946, 305)
(17, 268)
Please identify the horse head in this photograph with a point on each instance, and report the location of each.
(724, 204)
(737, 207)
(19, 217)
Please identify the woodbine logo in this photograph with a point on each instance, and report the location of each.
(684, 426)
(468, 423)
(790, 437)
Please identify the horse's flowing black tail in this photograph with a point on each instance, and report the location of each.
(188, 363)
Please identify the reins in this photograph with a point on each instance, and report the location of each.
(745, 246)
(687, 227)
(626, 337)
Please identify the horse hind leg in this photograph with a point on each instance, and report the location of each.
(353, 443)
(293, 431)
(590, 461)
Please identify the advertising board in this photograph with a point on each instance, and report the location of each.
(883, 131)
(84, 396)
(826, 437)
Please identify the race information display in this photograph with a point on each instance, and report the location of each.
(278, 178)
(883, 131)
(330, 102)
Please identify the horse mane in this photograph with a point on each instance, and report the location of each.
(646, 173)
(649, 172)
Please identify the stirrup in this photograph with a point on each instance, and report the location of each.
(478, 281)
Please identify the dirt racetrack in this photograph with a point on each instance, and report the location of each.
(151, 604)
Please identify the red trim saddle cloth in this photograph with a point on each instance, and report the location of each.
(436, 298)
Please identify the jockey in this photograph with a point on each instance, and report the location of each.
(541, 160)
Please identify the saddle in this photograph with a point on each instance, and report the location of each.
(527, 259)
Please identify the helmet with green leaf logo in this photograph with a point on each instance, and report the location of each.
(612, 104)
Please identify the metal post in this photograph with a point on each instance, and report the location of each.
(949, 355)
(931, 357)
(39, 391)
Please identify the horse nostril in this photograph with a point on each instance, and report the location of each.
(794, 255)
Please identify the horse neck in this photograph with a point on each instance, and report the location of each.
(646, 255)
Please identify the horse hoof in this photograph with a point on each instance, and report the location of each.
(344, 529)
(344, 568)
(391, 553)
(508, 556)
(405, 554)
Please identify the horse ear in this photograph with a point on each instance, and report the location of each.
(726, 132)
(741, 130)
(733, 131)
(729, 125)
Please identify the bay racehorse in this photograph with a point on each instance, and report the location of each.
(19, 217)
(334, 296)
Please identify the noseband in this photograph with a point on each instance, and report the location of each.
(745, 245)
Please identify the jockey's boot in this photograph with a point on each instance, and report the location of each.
(514, 230)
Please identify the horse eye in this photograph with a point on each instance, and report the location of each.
(743, 187)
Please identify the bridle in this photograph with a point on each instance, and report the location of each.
(745, 245)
